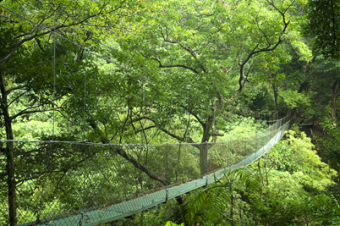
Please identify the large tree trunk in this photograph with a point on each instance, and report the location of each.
(204, 146)
(10, 167)
(207, 134)
(335, 94)
(204, 159)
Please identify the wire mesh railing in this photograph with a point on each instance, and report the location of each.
(71, 182)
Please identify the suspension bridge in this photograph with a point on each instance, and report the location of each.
(71, 183)
(236, 154)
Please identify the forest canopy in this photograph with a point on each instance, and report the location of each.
(95, 95)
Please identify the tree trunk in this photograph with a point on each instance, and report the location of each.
(335, 89)
(10, 167)
(204, 146)
(204, 159)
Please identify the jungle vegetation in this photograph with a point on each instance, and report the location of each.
(172, 71)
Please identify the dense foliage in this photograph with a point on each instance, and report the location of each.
(156, 72)
(323, 23)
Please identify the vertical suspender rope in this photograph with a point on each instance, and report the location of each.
(213, 130)
(141, 122)
(231, 131)
(233, 120)
(188, 124)
(245, 136)
(84, 140)
(242, 129)
(170, 116)
(53, 112)
(213, 123)
(260, 137)
(143, 105)
(264, 126)
(206, 140)
(167, 150)
(54, 81)
(275, 122)
(245, 139)
(84, 109)
(186, 137)
(270, 132)
(270, 121)
(206, 125)
(142, 133)
(172, 94)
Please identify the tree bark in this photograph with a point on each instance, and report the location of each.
(204, 159)
(204, 146)
(9, 151)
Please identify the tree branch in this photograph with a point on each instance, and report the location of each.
(195, 57)
(132, 160)
(194, 114)
(270, 47)
(172, 66)
(16, 98)
(24, 112)
(39, 44)
(165, 131)
(15, 88)
(18, 44)
(149, 127)
(140, 166)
